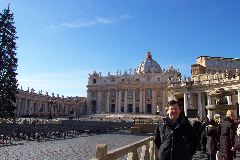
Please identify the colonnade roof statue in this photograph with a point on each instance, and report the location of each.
(148, 65)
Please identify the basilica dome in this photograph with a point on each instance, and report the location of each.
(148, 65)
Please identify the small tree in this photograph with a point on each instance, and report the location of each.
(8, 64)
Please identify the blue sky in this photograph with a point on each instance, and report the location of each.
(61, 41)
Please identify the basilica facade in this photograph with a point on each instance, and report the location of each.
(143, 90)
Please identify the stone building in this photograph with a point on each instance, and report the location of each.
(143, 90)
(208, 75)
(30, 103)
(213, 65)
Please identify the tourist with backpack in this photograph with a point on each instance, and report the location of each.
(175, 138)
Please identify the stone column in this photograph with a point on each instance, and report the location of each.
(40, 106)
(125, 102)
(99, 102)
(234, 101)
(108, 97)
(140, 101)
(119, 100)
(31, 107)
(43, 103)
(58, 109)
(185, 103)
(25, 107)
(134, 102)
(204, 105)
(229, 100)
(200, 106)
(65, 109)
(190, 101)
(46, 109)
(88, 101)
(19, 106)
(209, 100)
(144, 101)
(153, 101)
(116, 101)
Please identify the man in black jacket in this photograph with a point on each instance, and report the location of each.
(227, 131)
(175, 138)
(197, 126)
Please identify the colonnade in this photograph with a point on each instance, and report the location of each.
(202, 97)
(30, 107)
(140, 101)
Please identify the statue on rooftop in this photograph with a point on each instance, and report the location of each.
(32, 90)
(130, 71)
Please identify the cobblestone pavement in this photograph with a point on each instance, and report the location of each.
(81, 148)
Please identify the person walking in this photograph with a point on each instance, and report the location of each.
(237, 140)
(203, 135)
(212, 139)
(227, 131)
(175, 137)
(197, 126)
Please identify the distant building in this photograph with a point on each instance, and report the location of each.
(30, 103)
(213, 65)
(142, 90)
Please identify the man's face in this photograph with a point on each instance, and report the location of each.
(173, 112)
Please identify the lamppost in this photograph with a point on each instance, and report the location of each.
(51, 102)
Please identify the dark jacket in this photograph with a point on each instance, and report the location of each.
(227, 136)
(237, 142)
(197, 126)
(203, 135)
(175, 141)
(212, 139)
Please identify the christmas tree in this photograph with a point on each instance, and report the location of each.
(8, 64)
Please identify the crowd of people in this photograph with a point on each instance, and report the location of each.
(177, 138)
(219, 138)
